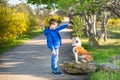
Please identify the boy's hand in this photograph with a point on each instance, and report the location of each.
(53, 52)
(70, 25)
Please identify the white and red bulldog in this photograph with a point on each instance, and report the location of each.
(80, 52)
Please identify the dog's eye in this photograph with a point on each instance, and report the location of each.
(75, 50)
(76, 41)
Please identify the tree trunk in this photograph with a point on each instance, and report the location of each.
(85, 30)
(89, 24)
(91, 21)
(103, 33)
(94, 25)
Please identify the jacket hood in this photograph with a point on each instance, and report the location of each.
(46, 31)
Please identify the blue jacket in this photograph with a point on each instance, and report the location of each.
(53, 37)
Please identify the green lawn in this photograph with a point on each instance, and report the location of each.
(103, 54)
(20, 40)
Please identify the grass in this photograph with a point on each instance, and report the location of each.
(114, 33)
(104, 76)
(20, 40)
(103, 54)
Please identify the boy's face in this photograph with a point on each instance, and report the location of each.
(53, 25)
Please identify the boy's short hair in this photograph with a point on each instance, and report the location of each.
(52, 21)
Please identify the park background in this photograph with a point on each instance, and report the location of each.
(96, 22)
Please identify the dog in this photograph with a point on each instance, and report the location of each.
(80, 52)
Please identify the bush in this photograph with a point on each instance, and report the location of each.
(113, 23)
(78, 26)
(33, 23)
(12, 24)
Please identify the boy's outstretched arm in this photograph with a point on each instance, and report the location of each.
(63, 26)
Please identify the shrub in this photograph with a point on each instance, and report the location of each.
(78, 26)
(113, 23)
(33, 23)
(12, 24)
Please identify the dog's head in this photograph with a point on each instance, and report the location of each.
(76, 41)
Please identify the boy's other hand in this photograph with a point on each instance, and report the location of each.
(53, 52)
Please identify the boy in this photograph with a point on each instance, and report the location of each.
(54, 42)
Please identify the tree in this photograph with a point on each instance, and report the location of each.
(50, 3)
(114, 7)
(23, 7)
(3, 2)
(90, 9)
(84, 6)
(33, 20)
(43, 12)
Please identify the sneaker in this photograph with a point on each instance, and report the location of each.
(58, 73)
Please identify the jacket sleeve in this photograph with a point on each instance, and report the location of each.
(61, 27)
(50, 42)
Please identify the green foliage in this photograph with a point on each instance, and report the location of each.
(91, 6)
(33, 23)
(78, 26)
(81, 5)
(34, 1)
(88, 6)
(46, 2)
(67, 4)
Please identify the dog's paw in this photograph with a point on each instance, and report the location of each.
(77, 62)
(83, 60)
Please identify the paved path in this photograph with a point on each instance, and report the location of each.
(31, 60)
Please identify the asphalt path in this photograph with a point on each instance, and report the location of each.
(31, 60)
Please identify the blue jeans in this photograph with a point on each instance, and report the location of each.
(54, 60)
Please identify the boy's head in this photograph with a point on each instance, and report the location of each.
(53, 23)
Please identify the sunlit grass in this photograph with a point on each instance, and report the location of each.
(104, 53)
(114, 33)
(104, 76)
(20, 40)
